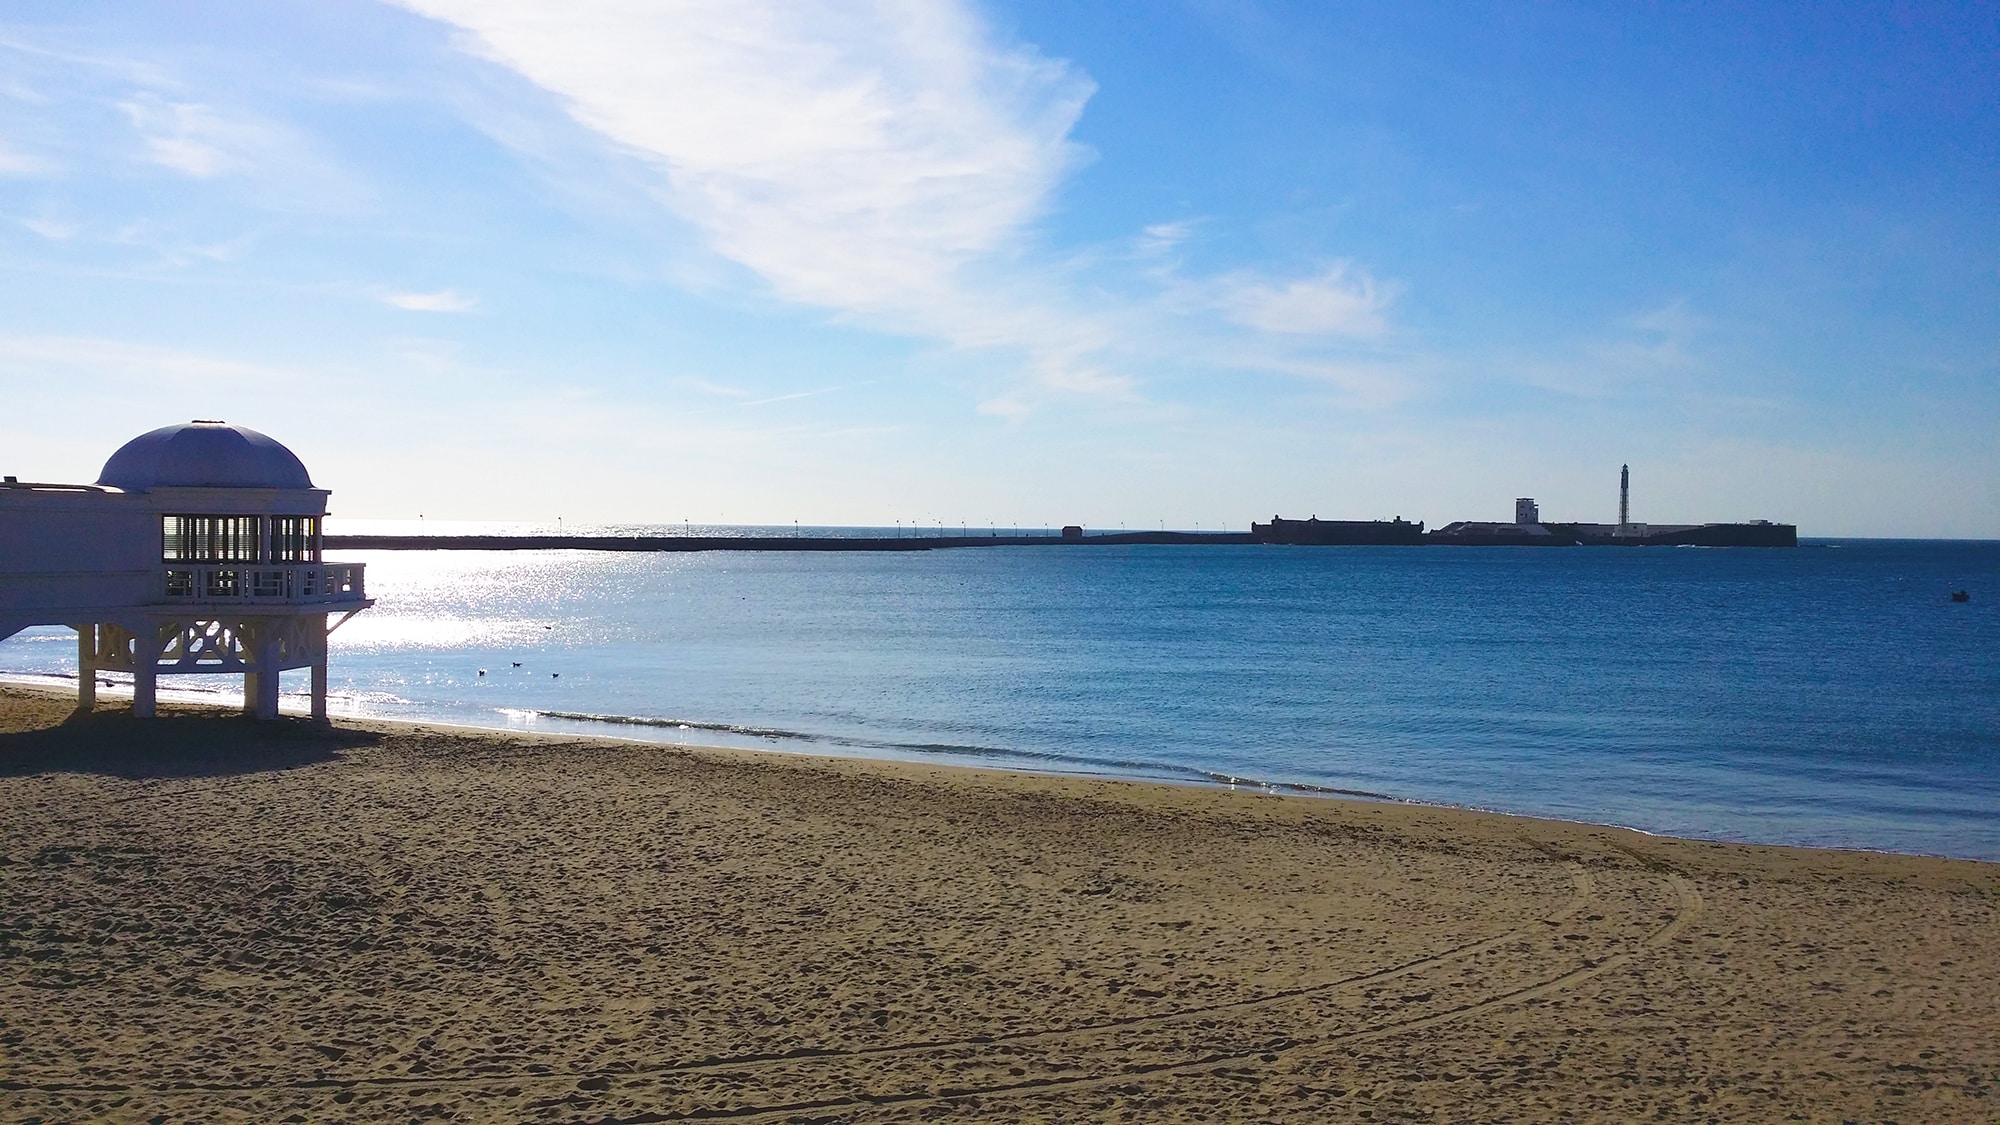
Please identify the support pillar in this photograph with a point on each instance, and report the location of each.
(317, 626)
(145, 670)
(267, 672)
(267, 694)
(86, 668)
(319, 690)
(250, 648)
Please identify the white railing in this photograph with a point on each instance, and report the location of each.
(263, 583)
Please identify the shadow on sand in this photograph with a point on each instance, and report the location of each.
(179, 743)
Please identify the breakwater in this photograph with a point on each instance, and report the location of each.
(768, 542)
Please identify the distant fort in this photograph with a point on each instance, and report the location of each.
(1526, 530)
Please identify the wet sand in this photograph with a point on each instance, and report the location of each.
(204, 918)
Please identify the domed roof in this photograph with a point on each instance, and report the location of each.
(203, 454)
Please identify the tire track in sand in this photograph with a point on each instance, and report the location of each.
(1690, 903)
(1582, 889)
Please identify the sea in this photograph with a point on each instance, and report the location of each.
(1832, 695)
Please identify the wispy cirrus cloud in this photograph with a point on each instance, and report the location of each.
(55, 230)
(1654, 351)
(884, 159)
(887, 160)
(1341, 300)
(854, 156)
(1162, 238)
(18, 165)
(442, 300)
(277, 164)
(194, 139)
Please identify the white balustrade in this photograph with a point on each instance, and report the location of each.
(263, 583)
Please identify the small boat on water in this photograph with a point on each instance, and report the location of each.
(1960, 596)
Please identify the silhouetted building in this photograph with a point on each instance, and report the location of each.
(197, 550)
(1317, 532)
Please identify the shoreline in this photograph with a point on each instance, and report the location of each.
(1137, 773)
(213, 917)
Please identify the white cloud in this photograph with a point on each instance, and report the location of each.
(854, 155)
(15, 164)
(117, 359)
(51, 229)
(887, 159)
(1654, 351)
(280, 166)
(1673, 319)
(444, 300)
(193, 139)
(1160, 238)
(792, 396)
(1341, 301)
(1366, 385)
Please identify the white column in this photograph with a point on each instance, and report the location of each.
(267, 671)
(267, 694)
(145, 670)
(86, 667)
(318, 627)
(249, 640)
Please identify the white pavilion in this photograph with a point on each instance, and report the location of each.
(197, 550)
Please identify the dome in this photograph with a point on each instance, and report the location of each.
(203, 454)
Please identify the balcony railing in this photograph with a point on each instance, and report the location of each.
(264, 583)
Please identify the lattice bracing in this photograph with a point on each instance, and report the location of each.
(257, 647)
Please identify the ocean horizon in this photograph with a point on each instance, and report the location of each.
(1827, 695)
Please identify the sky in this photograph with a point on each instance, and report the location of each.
(1178, 263)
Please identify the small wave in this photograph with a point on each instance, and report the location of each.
(674, 724)
(1301, 787)
(1046, 758)
(37, 677)
(778, 733)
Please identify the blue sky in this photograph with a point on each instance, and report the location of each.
(1030, 263)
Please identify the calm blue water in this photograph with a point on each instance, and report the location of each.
(1826, 695)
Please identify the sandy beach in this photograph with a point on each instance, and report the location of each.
(211, 919)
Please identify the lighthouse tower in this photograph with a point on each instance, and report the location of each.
(196, 551)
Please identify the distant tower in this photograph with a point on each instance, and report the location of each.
(1624, 495)
(1525, 511)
